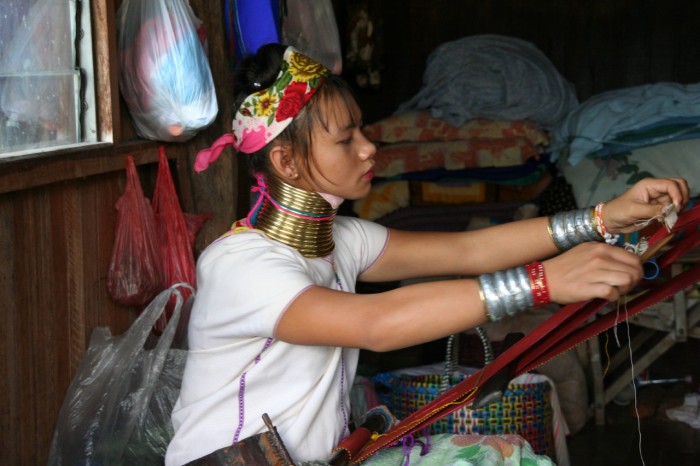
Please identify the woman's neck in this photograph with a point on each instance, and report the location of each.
(300, 219)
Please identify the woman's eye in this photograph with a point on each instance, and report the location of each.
(346, 140)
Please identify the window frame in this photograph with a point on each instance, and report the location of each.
(41, 167)
(89, 134)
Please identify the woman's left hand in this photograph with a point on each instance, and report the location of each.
(643, 201)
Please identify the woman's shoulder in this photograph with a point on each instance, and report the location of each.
(349, 227)
(346, 223)
(238, 245)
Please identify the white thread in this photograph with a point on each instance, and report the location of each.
(668, 217)
(639, 249)
(634, 389)
(634, 385)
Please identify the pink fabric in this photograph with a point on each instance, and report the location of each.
(207, 156)
(254, 138)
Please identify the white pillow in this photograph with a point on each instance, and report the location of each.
(601, 179)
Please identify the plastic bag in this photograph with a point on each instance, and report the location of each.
(173, 233)
(310, 27)
(118, 406)
(165, 77)
(136, 270)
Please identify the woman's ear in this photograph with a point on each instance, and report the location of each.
(283, 162)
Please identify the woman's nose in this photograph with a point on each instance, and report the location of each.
(368, 149)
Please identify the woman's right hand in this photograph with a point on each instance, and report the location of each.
(592, 270)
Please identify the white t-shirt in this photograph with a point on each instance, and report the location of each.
(245, 283)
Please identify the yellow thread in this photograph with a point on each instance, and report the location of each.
(236, 227)
(607, 354)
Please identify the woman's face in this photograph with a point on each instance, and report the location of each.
(343, 158)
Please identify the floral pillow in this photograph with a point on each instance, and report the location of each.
(396, 159)
(420, 126)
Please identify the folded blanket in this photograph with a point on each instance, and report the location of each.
(494, 77)
(602, 117)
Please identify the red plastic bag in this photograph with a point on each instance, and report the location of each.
(135, 273)
(174, 235)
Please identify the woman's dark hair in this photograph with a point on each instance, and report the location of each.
(259, 71)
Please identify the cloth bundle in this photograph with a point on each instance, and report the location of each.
(494, 77)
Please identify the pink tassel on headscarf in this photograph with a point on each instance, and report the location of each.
(207, 156)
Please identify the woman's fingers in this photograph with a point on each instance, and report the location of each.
(592, 270)
(644, 201)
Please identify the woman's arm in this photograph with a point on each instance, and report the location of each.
(470, 253)
(423, 312)
(424, 254)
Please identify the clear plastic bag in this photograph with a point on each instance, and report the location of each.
(310, 27)
(118, 406)
(165, 77)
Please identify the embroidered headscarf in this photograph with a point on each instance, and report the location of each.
(264, 114)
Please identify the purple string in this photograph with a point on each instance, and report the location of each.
(241, 393)
(346, 422)
(342, 394)
(426, 446)
(409, 441)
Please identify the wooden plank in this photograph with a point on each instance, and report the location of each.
(27, 173)
(106, 71)
(76, 245)
(37, 298)
(10, 420)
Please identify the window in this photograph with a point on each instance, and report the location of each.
(46, 85)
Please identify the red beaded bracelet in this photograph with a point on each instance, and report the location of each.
(540, 292)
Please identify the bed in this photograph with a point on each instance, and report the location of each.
(432, 175)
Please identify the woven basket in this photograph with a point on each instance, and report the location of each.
(525, 408)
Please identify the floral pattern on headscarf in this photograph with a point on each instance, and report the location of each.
(263, 115)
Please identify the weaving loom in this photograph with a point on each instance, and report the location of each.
(572, 325)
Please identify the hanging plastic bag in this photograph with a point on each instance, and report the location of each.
(310, 27)
(136, 270)
(165, 77)
(174, 236)
(118, 405)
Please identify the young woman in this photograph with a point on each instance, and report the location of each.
(276, 327)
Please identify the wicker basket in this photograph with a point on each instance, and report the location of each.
(525, 408)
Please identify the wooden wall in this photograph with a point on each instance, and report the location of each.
(57, 212)
(57, 222)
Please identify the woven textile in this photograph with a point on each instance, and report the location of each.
(525, 409)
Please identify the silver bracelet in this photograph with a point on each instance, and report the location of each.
(506, 292)
(568, 229)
